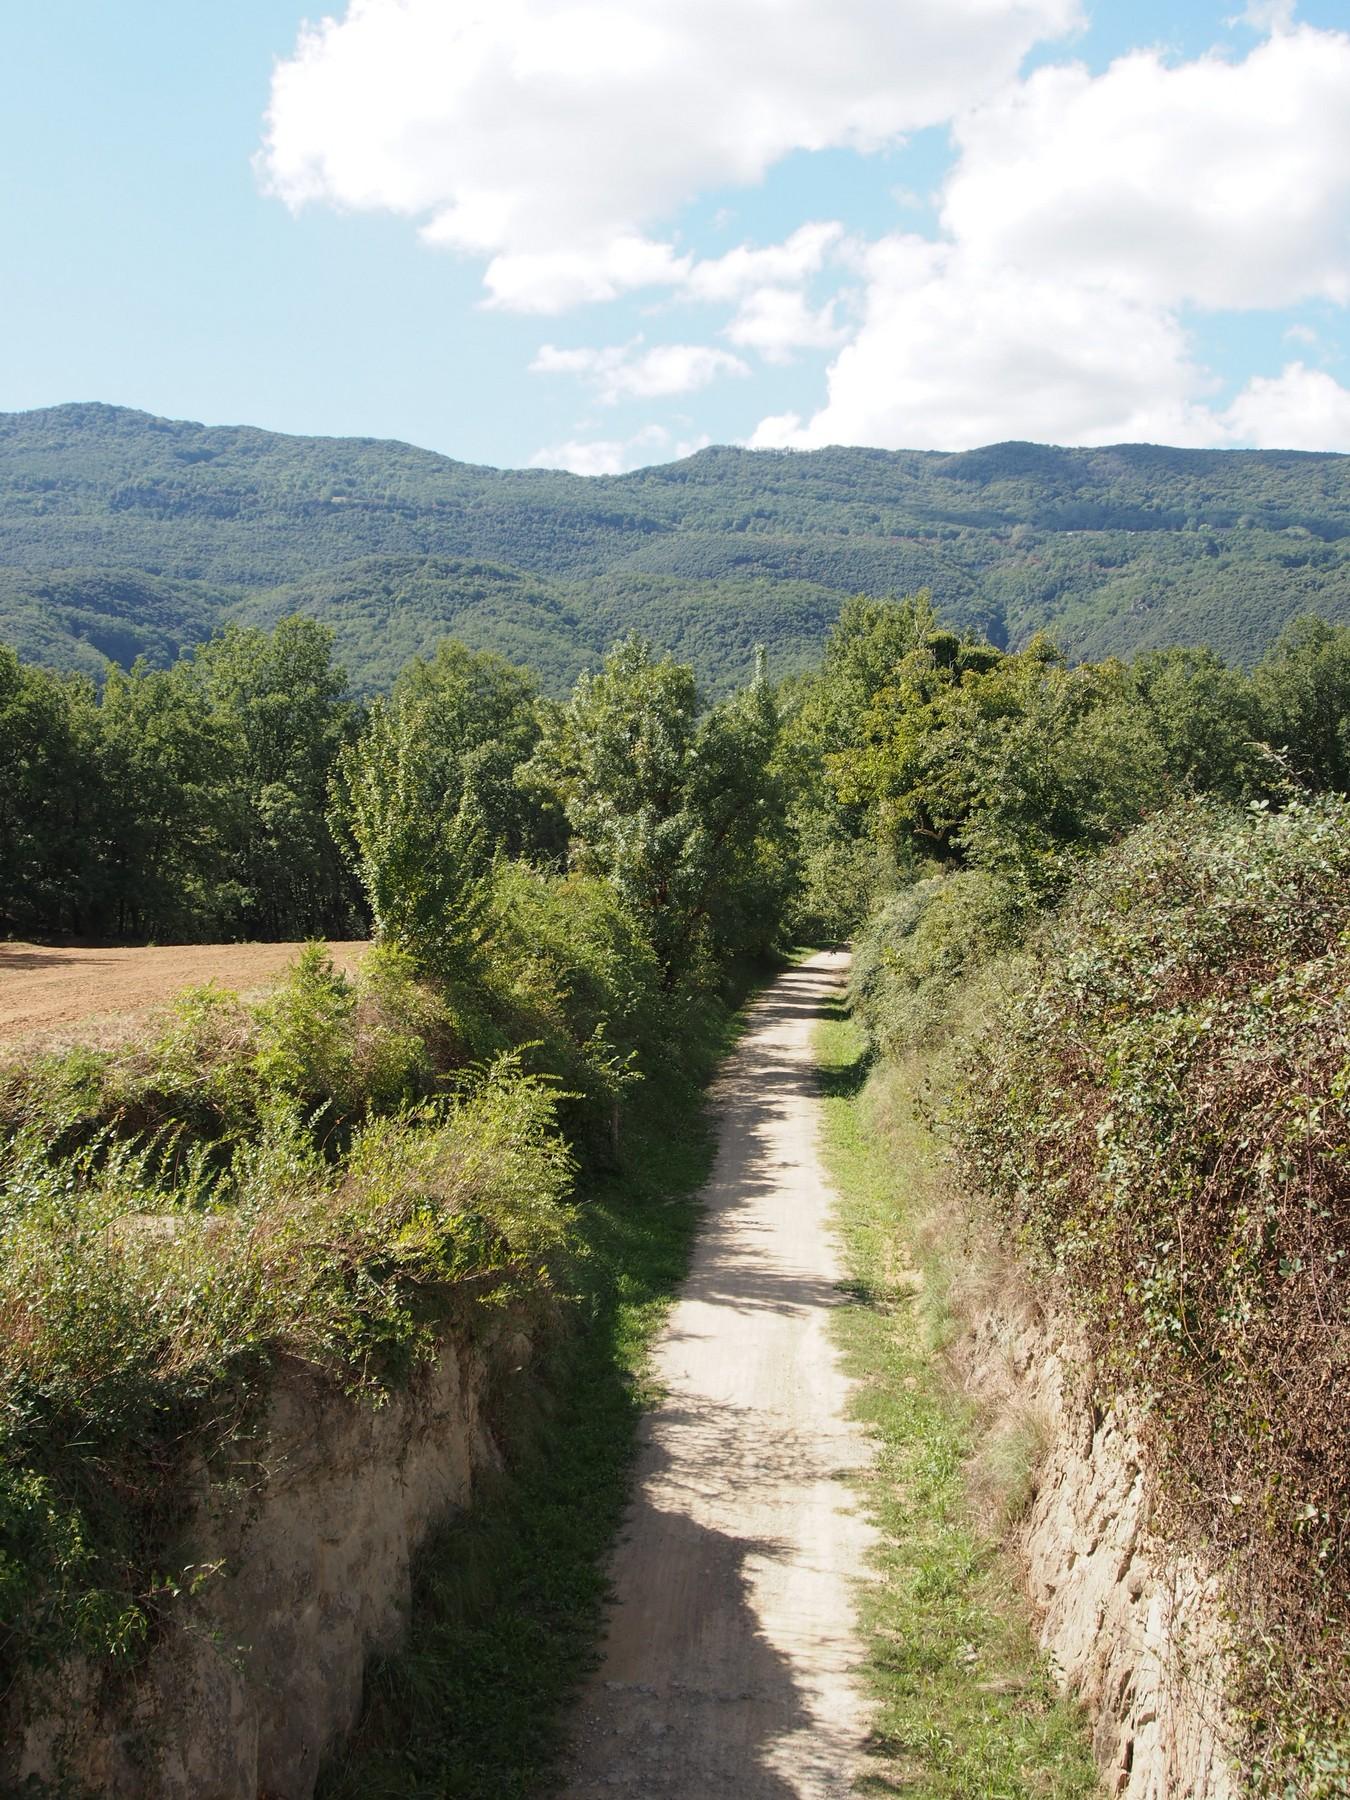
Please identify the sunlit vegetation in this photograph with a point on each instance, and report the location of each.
(1107, 895)
(123, 534)
(343, 1171)
(1123, 954)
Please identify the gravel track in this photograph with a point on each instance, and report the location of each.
(731, 1659)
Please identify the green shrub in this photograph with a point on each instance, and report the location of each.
(136, 1290)
(914, 954)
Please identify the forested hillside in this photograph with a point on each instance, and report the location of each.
(123, 534)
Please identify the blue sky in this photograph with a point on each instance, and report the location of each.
(1021, 234)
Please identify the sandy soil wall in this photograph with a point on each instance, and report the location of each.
(1134, 1628)
(314, 1520)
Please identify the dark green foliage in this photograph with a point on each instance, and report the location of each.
(275, 700)
(1149, 1082)
(1301, 689)
(944, 747)
(125, 534)
(678, 809)
(478, 724)
(82, 619)
(916, 950)
(189, 802)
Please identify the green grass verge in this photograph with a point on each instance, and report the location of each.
(508, 1598)
(966, 1708)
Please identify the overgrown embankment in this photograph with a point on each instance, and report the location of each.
(350, 1178)
(1149, 1101)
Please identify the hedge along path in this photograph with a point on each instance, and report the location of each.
(731, 1660)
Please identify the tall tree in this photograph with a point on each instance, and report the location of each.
(49, 798)
(479, 719)
(163, 842)
(422, 850)
(277, 700)
(676, 810)
(1303, 691)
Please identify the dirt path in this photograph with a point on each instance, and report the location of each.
(47, 992)
(731, 1649)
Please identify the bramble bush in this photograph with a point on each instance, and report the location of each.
(1160, 1120)
(914, 954)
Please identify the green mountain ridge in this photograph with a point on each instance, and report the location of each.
(122, 534)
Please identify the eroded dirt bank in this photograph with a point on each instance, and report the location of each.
(732, 1649)
(306, 1528)
(1131, 1624)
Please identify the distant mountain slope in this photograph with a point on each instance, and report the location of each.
(122, 534)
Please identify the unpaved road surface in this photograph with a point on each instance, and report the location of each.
(46, 992)
(732, 1649)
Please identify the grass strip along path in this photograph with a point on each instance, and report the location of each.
(965, 1708)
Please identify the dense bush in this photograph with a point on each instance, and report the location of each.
(1161, 1121)
(944, 749)
(920, 946)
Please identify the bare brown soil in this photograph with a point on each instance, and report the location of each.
(56, 994)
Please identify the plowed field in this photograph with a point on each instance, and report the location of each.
(62, 994)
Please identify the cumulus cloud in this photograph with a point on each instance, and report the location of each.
(553, 281)
(612, 456)
(1085, 222)
(1224, 184)
(748, 268)
(776, 321)
(946, 358)
(551, 136)
(1266, 15)
(627, 372)
(1298, 409)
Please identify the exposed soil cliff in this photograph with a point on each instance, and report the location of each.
(310, 1524)
(1131, 1625)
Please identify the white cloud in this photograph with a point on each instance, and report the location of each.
(550, 136)
(553, 281)
(775, 321)
(1224, 184)
(946, 358)
(1266, 15)
(1083, 218)
(746, 268)
(626, 372)
(1086, 220)
(612, 456)
(1299, 409)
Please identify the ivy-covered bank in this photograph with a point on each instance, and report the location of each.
(1148, 1096)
